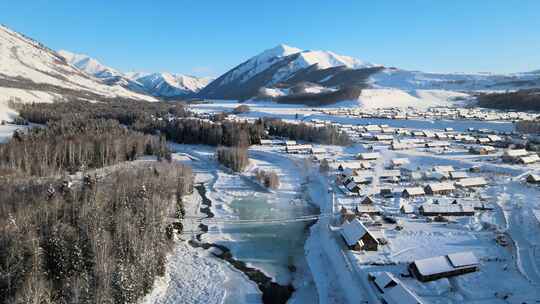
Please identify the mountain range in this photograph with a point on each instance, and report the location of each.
(31, 72)
(164, 85)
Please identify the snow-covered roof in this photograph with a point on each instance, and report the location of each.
(458, 174)
(415, 190)
(390, 173)
(353, 231)
(356, 164)
(472, 182)
(318, 150)
(446, 208)
(369, 155)
(534, 177)
(436, 187)
(516, 153)
(443, 168)
(366, 208)
(400, 161)
(461, 259)
(393, 290)
(529, 159)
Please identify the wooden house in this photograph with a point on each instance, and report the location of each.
(368, 209)
(435, 268)
(439, 188)
(358, 237)
(412, 192)
(429, 209)
(471, 182)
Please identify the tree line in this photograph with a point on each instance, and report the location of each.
(179, 125)
(72, 145)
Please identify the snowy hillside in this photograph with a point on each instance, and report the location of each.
(31, 72)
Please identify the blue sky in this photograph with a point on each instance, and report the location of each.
(210, 37)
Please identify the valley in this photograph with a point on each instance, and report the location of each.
(280, 175)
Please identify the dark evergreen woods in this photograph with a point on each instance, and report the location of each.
(72, 145)
(181, 126)
(98, 241)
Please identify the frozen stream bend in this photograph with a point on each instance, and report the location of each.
(224, 192)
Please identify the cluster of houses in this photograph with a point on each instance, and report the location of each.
(433, 113)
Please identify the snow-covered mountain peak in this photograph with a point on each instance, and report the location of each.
(325, 59)
(88, 64)
(280, 50)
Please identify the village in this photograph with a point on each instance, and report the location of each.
(423, 216)
(453, 113)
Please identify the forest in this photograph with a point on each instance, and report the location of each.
(179, 125)
(72, 145)
(97, 240)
